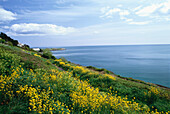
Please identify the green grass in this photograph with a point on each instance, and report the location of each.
(129, 87)
(33, 84)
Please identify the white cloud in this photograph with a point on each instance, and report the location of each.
(60, 1)
(139, 23)
(123, 15)
(167, 19)
(124, 12)
(6, 15)
(146, 11)
(96, 32)
(128, 20)
(105, 9)
(120, 5)
(5, 27)
(158, 12)
(166, 7)
(112, 11)
(32, 29)
(109, 13)
(141, 14)
(137, 8)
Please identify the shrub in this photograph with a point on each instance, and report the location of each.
(48, 54)
(8, 60)
(2, 40)
(7, 38)
(9, 43)
(30, 65)
(100, 69)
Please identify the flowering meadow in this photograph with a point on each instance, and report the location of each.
(30, 83)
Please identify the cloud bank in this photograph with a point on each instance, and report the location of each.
(6, 15)
(133, 15)
(32, 29)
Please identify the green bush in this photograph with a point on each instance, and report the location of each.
(8, 39)
(10, 43)
(8, 61)
(48, 54)
(2, 41)
(30, 65)
(100, 70)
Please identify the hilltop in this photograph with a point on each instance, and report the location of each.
(35, 82)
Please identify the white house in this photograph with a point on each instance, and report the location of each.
(36, 49)
(20, 44)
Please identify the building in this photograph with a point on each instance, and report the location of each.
(20, 45)
(36, 49)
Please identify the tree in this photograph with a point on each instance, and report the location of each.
(2, 40)
(8, 39)
(48, 54)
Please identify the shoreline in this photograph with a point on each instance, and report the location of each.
(129, 78)
(55, 49)
(101, 70)
(136, 62)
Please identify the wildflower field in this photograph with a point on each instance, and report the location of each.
(30, 83)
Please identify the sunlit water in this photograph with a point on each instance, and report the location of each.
(150, 63)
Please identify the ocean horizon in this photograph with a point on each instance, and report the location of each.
(149, 63)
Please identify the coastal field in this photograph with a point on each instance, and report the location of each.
(30, 83)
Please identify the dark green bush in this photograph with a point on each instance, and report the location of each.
(8, 39)
(2, 40)
(30, 65)
(8, 61)
(100, 69)
(48, 54)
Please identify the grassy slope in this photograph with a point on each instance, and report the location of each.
(125, 88)
(70, 88)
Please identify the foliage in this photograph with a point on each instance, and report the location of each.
(46, 89)
(47, 54)
(2, 40)
(30, 65)
(8, 61)
(7, 38)
(100, 69)
(25, 46)
(122, 87)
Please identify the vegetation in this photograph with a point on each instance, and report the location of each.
(122, 87)
(30, 83)
(102, 70)
(47, 54)
(55, 49)
(8, 39)
(2, 40)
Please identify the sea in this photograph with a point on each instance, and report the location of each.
(150, 63)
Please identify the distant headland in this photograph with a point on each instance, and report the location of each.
(55, 49)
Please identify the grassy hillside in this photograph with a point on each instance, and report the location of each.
(30, 83)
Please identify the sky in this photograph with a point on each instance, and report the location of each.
(43, 23)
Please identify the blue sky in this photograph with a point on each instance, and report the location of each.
(86, 22)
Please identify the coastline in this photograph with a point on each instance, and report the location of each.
(67, 78)
(55, 49)
(138, 62)
(105, 71)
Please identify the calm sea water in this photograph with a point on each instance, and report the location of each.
(150, 63)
